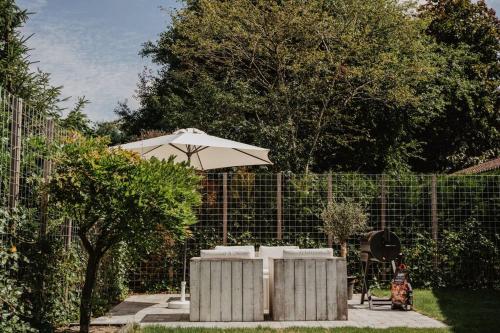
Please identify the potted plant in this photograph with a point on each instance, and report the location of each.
(341, 220)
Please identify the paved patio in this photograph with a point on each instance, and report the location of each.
(152, 310)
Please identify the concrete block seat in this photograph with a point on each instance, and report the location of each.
(267, 253)
(226, 285)
(232, 283)
(308, 284)
(248, 248)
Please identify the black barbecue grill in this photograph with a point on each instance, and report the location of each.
(381, 246)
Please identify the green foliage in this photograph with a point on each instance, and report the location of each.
(54, 276)
(472, 23)
(419, 259)
(112, 279)
(337, 85)
(14, 313)
(323, 84)
(465, 258)
(110, 129)
(344, 219)
(15, 73)
(50, 276)
(115, 197)
(463, 251)
(124, 197)
(76, 120)
(468, 48)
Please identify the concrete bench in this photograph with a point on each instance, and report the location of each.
(228, 289)
(308, 289)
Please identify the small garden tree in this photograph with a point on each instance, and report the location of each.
(114, 196)
(342, 220)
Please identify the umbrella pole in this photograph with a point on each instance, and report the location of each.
(182, 303)
(183, 283)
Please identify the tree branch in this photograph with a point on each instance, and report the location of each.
(86, 243)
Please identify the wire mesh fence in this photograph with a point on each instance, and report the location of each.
(439, 219)
(446, 223)
(27, 135)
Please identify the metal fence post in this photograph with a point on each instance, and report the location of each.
(330, 200)
(279, 207)
(434, 215)
(47, 170)
(15, 152)
(69, 232)
(224, 208)
(382, 202)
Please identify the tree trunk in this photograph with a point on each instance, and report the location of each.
(88, 288)
(343, 249)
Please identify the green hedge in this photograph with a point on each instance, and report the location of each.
(40, 282)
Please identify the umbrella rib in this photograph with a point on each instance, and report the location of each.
(199, 159)
(200, 148)
(244, 152)
(185, 152)
(147, 152)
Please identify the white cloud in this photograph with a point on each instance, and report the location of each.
(88, 61)
(33, 5)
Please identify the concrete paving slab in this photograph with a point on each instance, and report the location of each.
(153, 310)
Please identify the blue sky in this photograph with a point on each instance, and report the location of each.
(91, 46)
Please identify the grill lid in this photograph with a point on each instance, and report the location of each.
(383, 245)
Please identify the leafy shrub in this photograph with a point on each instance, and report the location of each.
(461, 258)
(14, 313)
(41, 277)
(463, 252)
(112, 279)
(54, 276)
(341, 220)
(113, 196)
(419, 259)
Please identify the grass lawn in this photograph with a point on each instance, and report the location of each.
(464, 311)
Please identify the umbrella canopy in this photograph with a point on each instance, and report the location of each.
(202, 151)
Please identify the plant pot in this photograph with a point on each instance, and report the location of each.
(351, 280)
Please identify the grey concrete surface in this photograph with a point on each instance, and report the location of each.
(152, 310)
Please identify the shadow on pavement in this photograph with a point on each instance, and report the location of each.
(129, 308)
(158, 318)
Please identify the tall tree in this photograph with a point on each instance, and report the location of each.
(324, 84)
(110, 129)
(77, 120)
(465, 129)
(331, 84)
(15, 73)
(115, 196)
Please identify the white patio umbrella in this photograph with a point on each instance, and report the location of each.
(203, 152)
